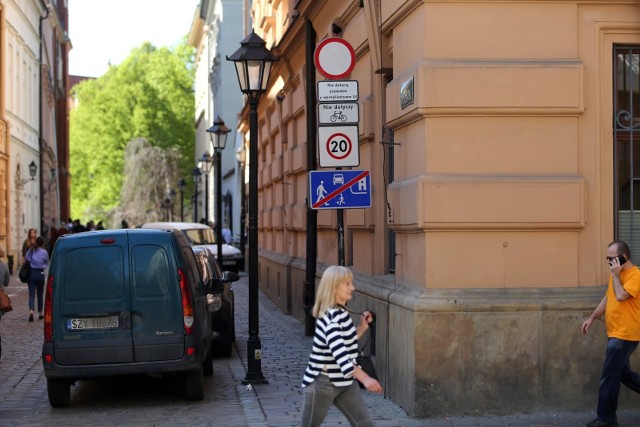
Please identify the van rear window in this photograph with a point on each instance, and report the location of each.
(151, 271)
(93, 273)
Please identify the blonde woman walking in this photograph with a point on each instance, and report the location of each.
(330, 374)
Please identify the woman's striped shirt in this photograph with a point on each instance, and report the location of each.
(335, 347)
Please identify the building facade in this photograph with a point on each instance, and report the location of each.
(501, 139)
(33, 67)
(216, 27)
(54, 142)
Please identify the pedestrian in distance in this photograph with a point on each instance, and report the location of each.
(38, 258)
(30, 241)
(330, 374)
(621, 304)
(226, 234)
(4, 282)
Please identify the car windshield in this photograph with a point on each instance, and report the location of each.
(201, 236)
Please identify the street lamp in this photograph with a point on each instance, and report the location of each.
(166, 205)
(172, 197)
(218, 133)
(205, 164)
(253, 65)
(33, 168)
(181, 186)
(196, 181)
(241, 156)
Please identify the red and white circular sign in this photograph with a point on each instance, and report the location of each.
(339, 146)
(334, 58)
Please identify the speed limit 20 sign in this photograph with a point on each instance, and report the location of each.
(338, 146)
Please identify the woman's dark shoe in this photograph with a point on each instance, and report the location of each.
(40, 317)
(31, 317)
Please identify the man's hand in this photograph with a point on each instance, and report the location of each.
(586, 324)
(615, 267)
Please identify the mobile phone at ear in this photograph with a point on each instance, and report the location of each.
(621, 259)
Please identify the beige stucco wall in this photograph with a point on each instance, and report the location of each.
(501, 201)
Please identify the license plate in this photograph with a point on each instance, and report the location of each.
(108, 322)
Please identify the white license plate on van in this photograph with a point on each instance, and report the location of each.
(106, 322)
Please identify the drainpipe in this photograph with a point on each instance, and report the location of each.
(40, 119)
(312, 215)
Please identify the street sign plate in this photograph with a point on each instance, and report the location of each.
(338, 113)
(338, 146)
(340, 189)
(334, 58)
(337, 90)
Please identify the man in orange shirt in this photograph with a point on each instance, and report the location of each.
(621, 304)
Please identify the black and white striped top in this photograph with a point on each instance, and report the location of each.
(335, 347)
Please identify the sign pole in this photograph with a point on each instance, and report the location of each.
(341, 237)
(340, 213)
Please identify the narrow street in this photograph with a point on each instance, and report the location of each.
(148, 401)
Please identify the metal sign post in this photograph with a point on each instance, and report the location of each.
(338, 144)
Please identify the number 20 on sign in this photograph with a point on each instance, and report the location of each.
(338, 146)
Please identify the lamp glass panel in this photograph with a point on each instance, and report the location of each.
(265, 75)
(254, 68)
(221, 141)
(242, 75)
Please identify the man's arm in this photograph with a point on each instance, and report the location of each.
(618, 289)
(599, 311)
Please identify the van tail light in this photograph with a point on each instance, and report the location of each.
(48, 311)
(187, 307)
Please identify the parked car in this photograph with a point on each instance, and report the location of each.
(200, 234)
(223, 328)
(122, 302)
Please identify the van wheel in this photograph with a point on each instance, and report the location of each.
(207, 365)
(59, 391)
(194, 385)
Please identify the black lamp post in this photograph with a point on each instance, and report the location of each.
(205, 165)
(196, 181)
(218, 133)
(181, 186)
(166, 205)
(253, 65)
(241, 156)
(172, 197)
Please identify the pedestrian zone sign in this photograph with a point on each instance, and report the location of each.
(340, 189)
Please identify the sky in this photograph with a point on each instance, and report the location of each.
(104, 32)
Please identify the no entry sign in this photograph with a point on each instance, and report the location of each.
(338, 146)
(334, 58)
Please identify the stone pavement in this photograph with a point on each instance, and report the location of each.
(150, 401)
(285, 352)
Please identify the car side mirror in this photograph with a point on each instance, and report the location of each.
(229, 276)
(216, 286)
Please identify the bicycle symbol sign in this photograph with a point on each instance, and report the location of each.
(338, 113)
(338, 146)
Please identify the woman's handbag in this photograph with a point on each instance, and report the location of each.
(23, 274)
(5, 302)
(364, 362)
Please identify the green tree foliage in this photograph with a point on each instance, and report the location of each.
(149, 95)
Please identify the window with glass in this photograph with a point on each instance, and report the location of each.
(626, 146)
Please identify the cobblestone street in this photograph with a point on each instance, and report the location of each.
(148, 401)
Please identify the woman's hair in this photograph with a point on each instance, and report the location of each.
(29, 232)
(40, 241)
(326, 293)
